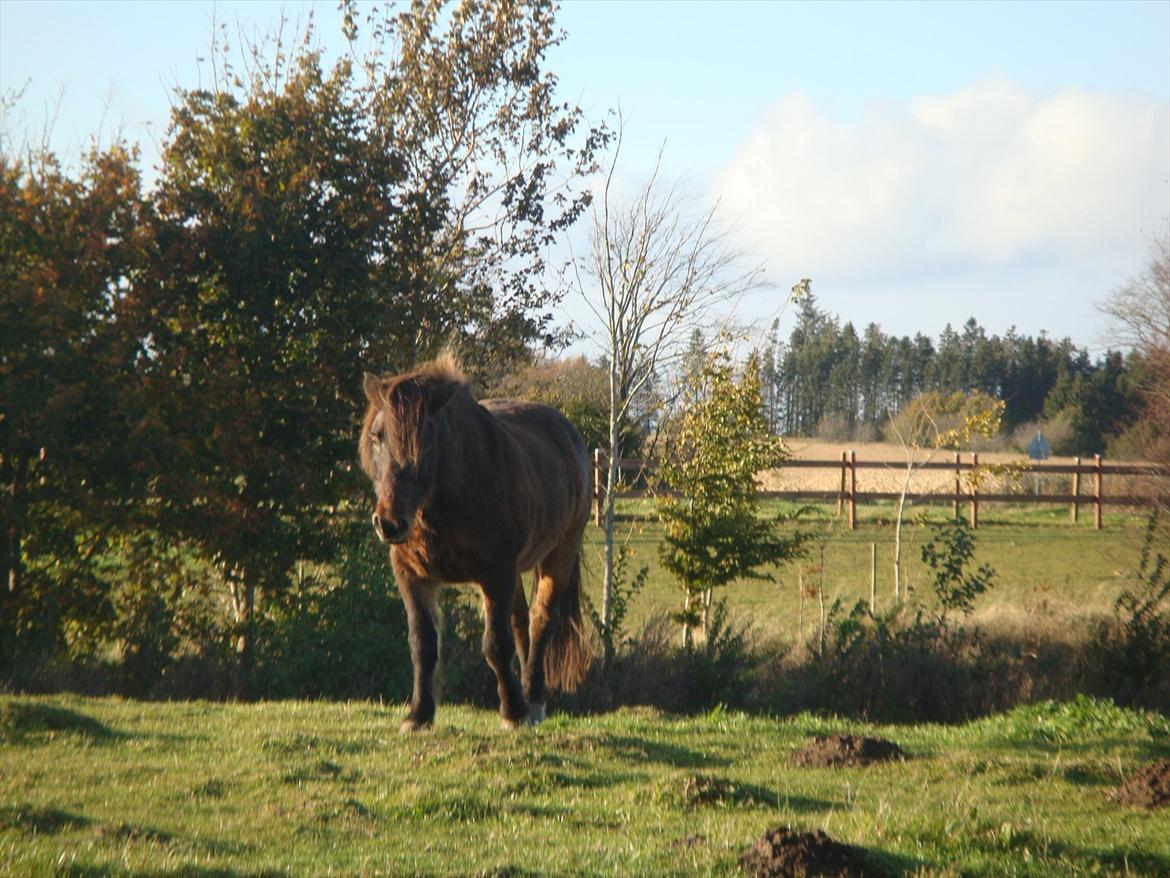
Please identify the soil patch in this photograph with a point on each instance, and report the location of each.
(1149, 788)
(847, 750)
(784, 853)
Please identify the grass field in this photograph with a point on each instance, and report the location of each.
(96, 787)
(1053, 577)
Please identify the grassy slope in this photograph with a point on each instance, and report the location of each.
(108, 787)
(1050, 574)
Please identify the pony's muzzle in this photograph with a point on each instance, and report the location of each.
(390, 531)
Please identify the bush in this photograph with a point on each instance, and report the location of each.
(337, 632)
(902, 666)
(1131, 653)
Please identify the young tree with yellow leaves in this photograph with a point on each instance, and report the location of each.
(715, 533)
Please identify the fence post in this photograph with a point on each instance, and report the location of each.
(1076, 490)
(841, 493)
(958, 484)
(853, 490)
(598, 485)
(974, 489)
(1097, 474)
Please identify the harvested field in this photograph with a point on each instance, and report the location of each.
(998, 478)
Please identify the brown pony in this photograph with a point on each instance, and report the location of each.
(481, 492)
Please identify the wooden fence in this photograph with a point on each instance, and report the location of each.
(848, 496)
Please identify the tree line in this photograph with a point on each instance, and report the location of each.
(830, 381)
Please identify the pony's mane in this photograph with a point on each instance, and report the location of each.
(445, 367)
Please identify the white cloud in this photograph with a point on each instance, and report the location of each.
(989, 176)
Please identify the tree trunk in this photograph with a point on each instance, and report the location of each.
(821, 600)
(243, 606)
(611, 471)
(12, 572)
(898, 536)
(687, 640)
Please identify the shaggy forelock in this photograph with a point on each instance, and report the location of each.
(401, 400)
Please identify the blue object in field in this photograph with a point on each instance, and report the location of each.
(1038, 448)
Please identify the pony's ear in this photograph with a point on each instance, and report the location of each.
(372, 385)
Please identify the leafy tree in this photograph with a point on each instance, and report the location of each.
(70, 246)
(714, 532)
(494, 167)
(275, 204)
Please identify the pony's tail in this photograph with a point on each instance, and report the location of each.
(568, 654)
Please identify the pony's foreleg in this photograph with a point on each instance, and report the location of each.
(422, 616)
(499, 648)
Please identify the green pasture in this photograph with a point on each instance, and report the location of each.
(107, 787)
(1054, 578)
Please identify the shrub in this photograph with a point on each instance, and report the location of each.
(1132, 651)
(337, 632)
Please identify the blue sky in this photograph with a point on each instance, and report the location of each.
(922, 162)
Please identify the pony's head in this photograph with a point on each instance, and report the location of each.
(398, 444)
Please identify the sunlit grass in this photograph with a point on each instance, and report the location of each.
(109, 787)
(1055, 575)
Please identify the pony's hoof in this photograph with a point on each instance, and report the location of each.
(410, 725)
(535, 713)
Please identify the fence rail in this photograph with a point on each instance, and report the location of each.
(848, 496)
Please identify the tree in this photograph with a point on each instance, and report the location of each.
(1140, 309)
(930, 423)
(494, 169)
(657, 266)
(70, 246)
(714, 532)
(276, 199)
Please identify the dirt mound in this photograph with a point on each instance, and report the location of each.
(847, 750)
(1149, 788)
(785, 853)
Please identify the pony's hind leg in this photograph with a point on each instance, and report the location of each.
(499, 648)
(520, 621)
(422, 616)
(553, 578)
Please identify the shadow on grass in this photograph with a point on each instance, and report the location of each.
(1077, 859)
(639, 750)
(109, 870)
(883, 864)
(40, 821)
(24, 722)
